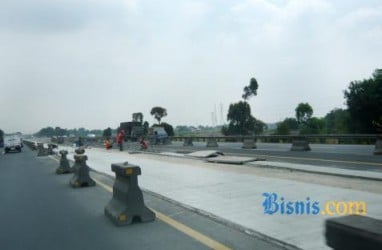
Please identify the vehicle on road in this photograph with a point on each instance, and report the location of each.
(1, 138)
(133, 130)
(12, 143)
(158, 135)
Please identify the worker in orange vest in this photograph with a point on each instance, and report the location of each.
(107, 144)
(120, 138)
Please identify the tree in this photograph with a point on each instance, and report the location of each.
(48, 132)
(284, 127)
(251, 89)
(107, 132)
(364, 101)
(337, 121)
(313, 126)
(168, 128)
(82, 132)
(260, 126)
(240, 120)
(303, 112)
(97, 132)
(59, 131)
(182, 130)
(138, 117)
(146, 128)
(158, 113)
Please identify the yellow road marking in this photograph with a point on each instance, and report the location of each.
(107, 187)
(205, 240)
(54, 158)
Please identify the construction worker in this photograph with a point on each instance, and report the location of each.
(120, 138)
(143, 143)
(107, 144)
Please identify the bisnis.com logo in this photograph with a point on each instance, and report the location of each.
(273, 204)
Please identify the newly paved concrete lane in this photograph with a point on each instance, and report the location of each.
(353, 157)
(39, 210)
(236, 193)
(357, 157)
(282, 147)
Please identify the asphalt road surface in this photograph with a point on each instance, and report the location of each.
(39, 210)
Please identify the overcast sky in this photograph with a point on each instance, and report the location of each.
(92, 63)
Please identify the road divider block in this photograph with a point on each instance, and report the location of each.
(127, 205)
(211, 142)
(300, 143)
(42, 151)
(378, 145)
(249, 143)
(354, 232)
(30, 144)
(188, 142)
(64, 167)
(51, 147)
(81, 177)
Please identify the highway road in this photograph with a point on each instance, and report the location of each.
(353, 157)
(39, 210)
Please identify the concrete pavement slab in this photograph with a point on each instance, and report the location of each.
(373, 175)
(231, 159)
(237, 195)
(205, 153)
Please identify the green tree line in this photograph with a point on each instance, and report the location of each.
(363, 114)
(57, 131)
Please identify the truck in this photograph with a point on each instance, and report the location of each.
(158, 135)
(12, 143)
(133, 130)
(1, 138)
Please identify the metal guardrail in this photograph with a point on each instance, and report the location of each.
(280, 137)
(238, 138)
(299, 142)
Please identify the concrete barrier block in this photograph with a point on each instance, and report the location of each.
(378, 146)
(211, 142)
(188, 142)
(41, 151)
(81, 177)
(30, 145)
(64, 167)
(127, 205)
(300, 143)
(354, 232)
(249, 143)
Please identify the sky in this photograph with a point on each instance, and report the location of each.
(92, 63)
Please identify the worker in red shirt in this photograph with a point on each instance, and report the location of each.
(120, 137)
(143, 143)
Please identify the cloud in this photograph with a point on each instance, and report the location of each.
(95, 62)
(61, 16)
